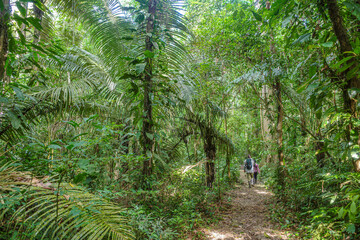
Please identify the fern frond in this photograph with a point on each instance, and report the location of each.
(74, 214)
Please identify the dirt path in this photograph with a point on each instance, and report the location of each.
(240, 222)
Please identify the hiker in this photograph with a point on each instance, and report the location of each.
(256, 171)
(249, 169)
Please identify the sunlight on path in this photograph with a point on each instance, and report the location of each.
(246, 218)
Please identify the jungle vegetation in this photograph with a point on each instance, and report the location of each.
(129, 119)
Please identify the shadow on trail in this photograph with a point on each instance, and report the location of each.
(246, 218)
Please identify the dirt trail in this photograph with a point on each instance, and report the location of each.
(246, 218)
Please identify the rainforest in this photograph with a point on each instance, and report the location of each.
(179, 119)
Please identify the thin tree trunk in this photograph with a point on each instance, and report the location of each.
(320, 154)
(210, 151)
(147, 130)
(265, 111)
(4, 43)
(279, 130)
(228, 160)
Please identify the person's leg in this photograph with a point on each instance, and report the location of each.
(252, 178)
(255, 177)
(249, 176)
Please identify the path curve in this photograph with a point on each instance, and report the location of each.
(239, 221)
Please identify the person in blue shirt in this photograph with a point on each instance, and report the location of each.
(249, 169)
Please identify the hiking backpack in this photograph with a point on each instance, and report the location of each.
(248, 164)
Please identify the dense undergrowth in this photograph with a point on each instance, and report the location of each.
(171, 210)
(318, 203)
(168, 206)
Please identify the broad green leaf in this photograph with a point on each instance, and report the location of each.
(139, 68)
(15, 121)
(351, 216)
(350, 228)
(341, 213)
(257, 16)
(356, 197)
(149, 54)
(54, 146)
(303, 38)
(286, 21)
(353, 208)
(327, 44)
(149, 135)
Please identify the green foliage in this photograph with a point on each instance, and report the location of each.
(41, 210)
(232, 78)
(73, 213)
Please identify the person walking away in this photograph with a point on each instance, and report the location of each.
(249, 169)
(256, 171)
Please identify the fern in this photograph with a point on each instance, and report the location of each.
(71, 213)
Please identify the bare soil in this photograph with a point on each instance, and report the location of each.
(246, 217)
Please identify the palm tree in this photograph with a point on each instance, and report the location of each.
(133, 55)
(152, 53)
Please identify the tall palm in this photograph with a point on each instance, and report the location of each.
(146, 40)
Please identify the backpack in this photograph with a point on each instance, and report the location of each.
(248, 164)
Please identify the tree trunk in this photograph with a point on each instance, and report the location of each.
(350, 81)
(228, 160)
(4, 43)
(345, 46)
(147, 129)
(320, 153)
(210, 151)
(266, 94)
(279, 130)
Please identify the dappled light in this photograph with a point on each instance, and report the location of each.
(262, 192)
(247, 218)
(216, 235)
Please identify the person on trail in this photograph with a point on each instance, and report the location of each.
(256, 171)
(249, 169)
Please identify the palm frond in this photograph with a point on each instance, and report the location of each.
(71, 213)
(75, 214)
(10, 180)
